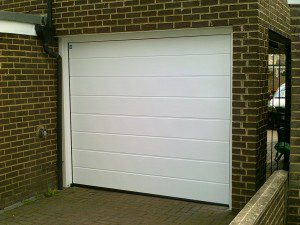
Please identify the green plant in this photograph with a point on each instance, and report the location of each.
(28, 201)
(51, 192)
(38, 195)
(33, 199)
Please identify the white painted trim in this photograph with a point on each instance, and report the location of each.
(66, 124)
(12, 27)
(231, 117)
(294, 2)
(64, 52)
(147, 34)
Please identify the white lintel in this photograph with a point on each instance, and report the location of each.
(13, 27)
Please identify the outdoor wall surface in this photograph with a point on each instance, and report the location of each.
(268, 206)
(294, 193)
(274, 15)
(28, 100)
(250, 20)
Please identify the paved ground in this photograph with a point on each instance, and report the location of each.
(89, 206)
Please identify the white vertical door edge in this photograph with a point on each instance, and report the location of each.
(231, 117)
(66, 123)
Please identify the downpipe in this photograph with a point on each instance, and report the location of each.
(46, 33)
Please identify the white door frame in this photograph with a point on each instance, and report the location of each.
(64, 52)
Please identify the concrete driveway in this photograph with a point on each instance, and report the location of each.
(84, 206)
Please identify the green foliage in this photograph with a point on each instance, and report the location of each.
(38, 195)
(28, 201)
(33, 199)
(51, 192)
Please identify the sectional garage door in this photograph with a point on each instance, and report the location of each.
(153, 115)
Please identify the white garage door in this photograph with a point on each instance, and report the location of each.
(152, 115)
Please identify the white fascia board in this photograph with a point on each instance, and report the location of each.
(13, 27)
(294, 2)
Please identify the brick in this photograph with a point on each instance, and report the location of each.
(250, 20)
(23, 95)
(293, 201)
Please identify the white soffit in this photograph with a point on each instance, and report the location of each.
(294, 2)
(13, 27)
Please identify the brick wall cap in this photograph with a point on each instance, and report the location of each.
(259, 203)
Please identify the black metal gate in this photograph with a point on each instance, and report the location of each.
(279, 104)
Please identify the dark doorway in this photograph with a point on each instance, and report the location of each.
(279, 104)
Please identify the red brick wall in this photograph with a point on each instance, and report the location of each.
(273, 15)
(28, 99)
(268, 206)
(249, 59)
(294, 193)
(27, 6)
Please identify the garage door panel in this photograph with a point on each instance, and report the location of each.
(188, 189)
(214, 108)
(153, 115)
(186, 65)
(150, 165)
(152, 47)
(215, 151)
(210, 87)
(215, 130)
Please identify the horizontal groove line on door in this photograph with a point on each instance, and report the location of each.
(134, 135)
(124, 96)
(154, 117)
(131, 96)
(152, 38)
(150, 56)
(149, 76)
(150, 156)
(150, 175)
(153, 76)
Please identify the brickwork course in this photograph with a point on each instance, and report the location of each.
(294, 194)
(250, 20)
(275, 213)
(269, 205)
(28, 100)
